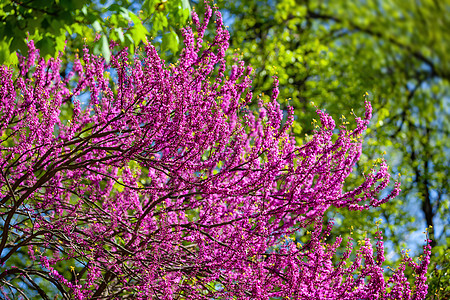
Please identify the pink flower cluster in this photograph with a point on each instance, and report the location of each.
(162, 186)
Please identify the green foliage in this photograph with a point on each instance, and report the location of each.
(331, 53)
(51, 23)
(440, 273)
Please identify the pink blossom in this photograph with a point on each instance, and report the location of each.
(163, 184)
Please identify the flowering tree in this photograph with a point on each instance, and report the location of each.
(163, 186)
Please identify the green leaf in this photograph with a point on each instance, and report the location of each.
(46, 47)
(106, 53)
(60, 42)
(119, 34)
(150, 5)
(138, 31)
(186, 5)
(7, 57)
(114, 7)
(96, 25)
(170, 41)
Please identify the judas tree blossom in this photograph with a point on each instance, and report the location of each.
(162, 185)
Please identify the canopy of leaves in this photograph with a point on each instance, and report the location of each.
(332, 52)
(51, 22)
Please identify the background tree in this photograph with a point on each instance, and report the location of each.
(332, 52)
(163, 185)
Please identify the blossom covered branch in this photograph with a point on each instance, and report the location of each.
(163, 186)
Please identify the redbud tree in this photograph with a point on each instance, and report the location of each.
(162, 185)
